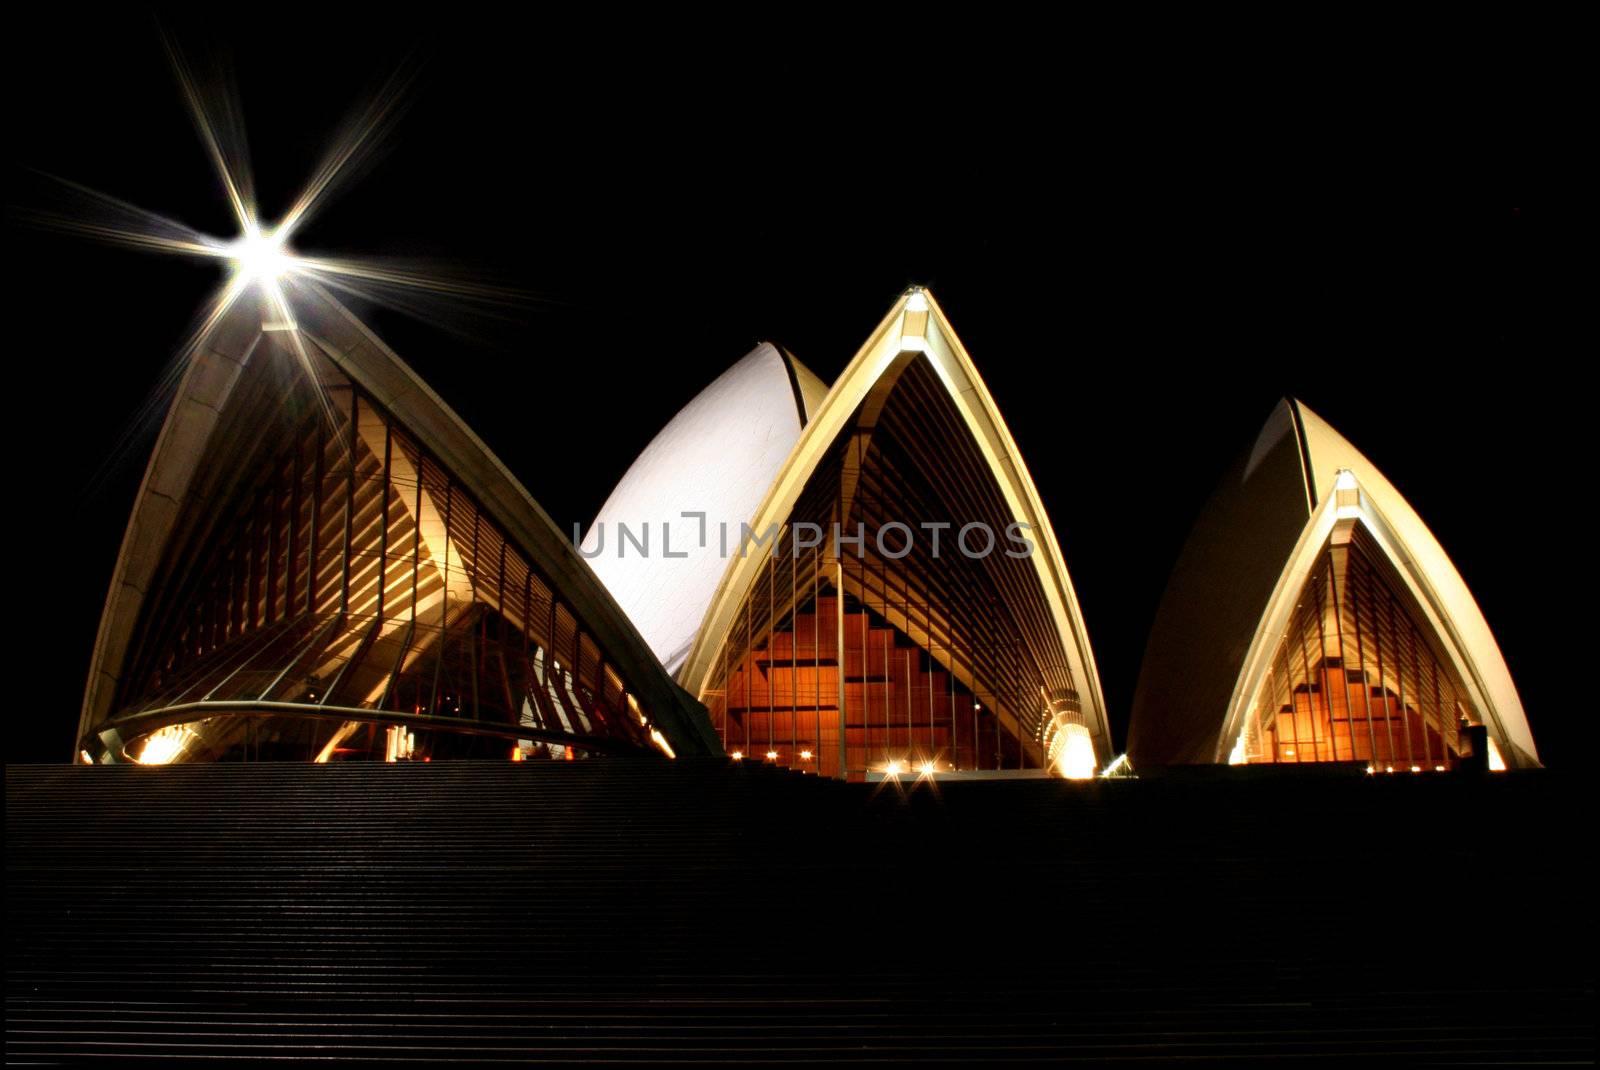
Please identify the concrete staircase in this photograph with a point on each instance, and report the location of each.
(645, 910)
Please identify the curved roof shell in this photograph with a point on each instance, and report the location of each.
(203, 456)
(1243, 568)
(915, 328)
(656, 542)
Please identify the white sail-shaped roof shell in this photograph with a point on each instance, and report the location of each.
(200, 462)
(1427, 569)
(1242, 570)
(915, 325)
(717, 457)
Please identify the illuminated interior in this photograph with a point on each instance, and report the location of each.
(342, 595)
(949, 662)
(1359, 676)
(1313, 617)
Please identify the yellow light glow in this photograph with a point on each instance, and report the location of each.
(772, 755)
(1077, 755)
(399, 744)
(737, 755)
(893, 768)
(346, 730)
(661, 741)
(927, 768)
(805, 756)
(1497, 764)
(164, 745)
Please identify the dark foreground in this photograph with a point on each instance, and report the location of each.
(694, 911)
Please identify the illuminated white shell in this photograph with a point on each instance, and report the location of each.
(717, 456)
(1426, 569)
(1240, 575)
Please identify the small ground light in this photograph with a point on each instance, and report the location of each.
(928, 768)
(737, 755)
(805, 756)
(772, 755)
(893, 768)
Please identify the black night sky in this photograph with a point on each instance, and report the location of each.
(1140, 260)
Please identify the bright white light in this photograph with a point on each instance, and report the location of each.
(661, 741)
(164, 745)
(1121, 765)
(399, 744)
(1238, 755)
(737, 755)
(893, 768)
(1497, 764)
(772, 755)
(260, 255)
(805, 756)
(1347, 495)
(917, 302)
(1077, 756)
(927, 768)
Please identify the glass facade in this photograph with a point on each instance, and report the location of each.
(882, 650)
(352, 578)
(1359, 677)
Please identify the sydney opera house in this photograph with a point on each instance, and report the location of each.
(858, 580)
(798, 750)
(356, 576)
